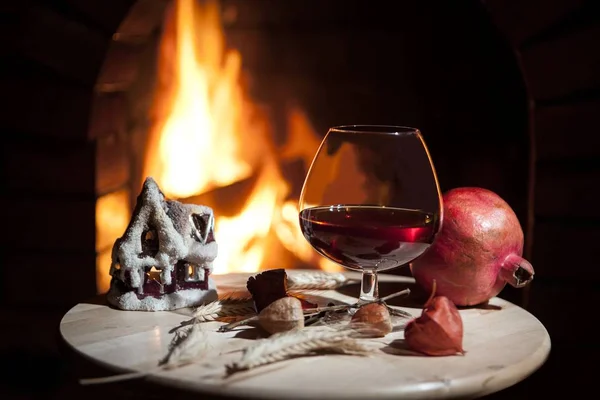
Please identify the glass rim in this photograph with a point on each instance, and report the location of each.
(376, 129)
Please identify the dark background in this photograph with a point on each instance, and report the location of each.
(507, 94)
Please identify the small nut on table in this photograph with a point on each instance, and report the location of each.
(373, 319)
(282, 315)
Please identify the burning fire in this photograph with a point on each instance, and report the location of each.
(207, 135)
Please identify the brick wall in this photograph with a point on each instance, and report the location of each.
(556, 44)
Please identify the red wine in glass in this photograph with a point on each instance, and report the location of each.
(371, 200)
(368, 237)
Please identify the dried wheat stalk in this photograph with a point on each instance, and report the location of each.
(186, 347)
(316, 280)
(226, 307)
(299, 342)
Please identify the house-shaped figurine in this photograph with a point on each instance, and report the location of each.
(164, 259)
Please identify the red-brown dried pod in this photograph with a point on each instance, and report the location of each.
(439, 329)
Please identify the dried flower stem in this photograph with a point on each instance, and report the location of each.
(309, 311)
(235, 324)
(393, 295)
(116, 378)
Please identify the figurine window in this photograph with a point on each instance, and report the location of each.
(201, 226)
(154, 274)
(150, 242)
(194, 273)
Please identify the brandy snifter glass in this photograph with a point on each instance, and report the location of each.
(371, 200)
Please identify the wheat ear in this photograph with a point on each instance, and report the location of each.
(316, 280)
(185, 348)
(226, 307)
(298, 342)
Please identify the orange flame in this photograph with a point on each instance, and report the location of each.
(209, 134)
(194, 148)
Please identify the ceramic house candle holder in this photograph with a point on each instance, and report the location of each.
(164, 259)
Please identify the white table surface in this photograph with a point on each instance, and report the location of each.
(504, 344)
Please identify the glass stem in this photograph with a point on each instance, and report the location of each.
(369, 287)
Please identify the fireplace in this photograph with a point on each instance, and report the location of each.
(225, 104)
(300, 67)
(499, 88)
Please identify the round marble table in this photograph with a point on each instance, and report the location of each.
(504, 344)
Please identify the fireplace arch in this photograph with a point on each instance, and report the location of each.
(97, 58)
(444, 67)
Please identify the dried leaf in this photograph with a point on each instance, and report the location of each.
(316, 280)
(226, 307)
(439, 329)
(298, 342)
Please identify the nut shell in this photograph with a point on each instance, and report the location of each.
(282, 315)
(373, 318)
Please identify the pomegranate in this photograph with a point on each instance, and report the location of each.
(478, 250)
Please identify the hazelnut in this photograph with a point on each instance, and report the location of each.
(282, 315)
(374, 319)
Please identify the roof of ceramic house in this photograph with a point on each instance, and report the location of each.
(180, 237)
